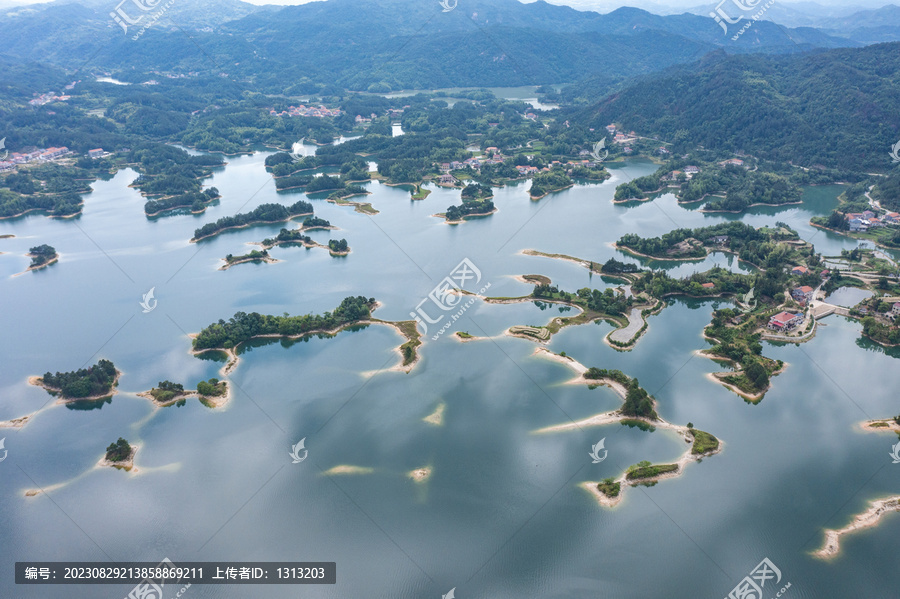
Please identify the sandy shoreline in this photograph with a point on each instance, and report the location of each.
(127, 464)
(883, 425)
(832, 546)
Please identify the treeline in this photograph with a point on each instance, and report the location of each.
(264, 213)
(243, 326)
(196, 201)
(84, 382)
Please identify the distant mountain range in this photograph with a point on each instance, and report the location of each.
(385, 44)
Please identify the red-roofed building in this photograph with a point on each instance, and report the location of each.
(708, 285)
(785, 321)
(799, 270)
(803, 294)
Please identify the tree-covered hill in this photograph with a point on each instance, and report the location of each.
(837, 108)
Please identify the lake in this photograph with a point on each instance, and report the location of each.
(501, 515)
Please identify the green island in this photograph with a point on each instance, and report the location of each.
(197, 201)
(609, 487)
(294, 237)
(545, 183)
(262, 214)
(95, 382)
(638, 402)
(747, 242)
(254, 256)
(54, 189)
(42, 256)
(703, 441)
(644, 470)
(476, 201)
(731, 185)
(212, 393)
(338, 247)
(243, 327)
(120, 455)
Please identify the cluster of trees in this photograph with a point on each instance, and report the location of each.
(166, 391)
(314, 221)
(196, 200)
(742, 188)
(659, 284)
(881, 332)
(41, 254)
(84, 382)
(264, 213)
(887, 190)
(346, 191)
(254, 256)
(286, 236)
(546, 182)
(292, 181)
(758, 246)
(338, 246)
(323, 183)
(476, 191)
(606, 301)
(637, 401)
(243, 326)
(613, 266)
(743, 347)
(167, 170)
(455, 213)
(118, 451)
(212, 388)
(14, 204)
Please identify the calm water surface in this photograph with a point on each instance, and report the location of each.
(502, 515)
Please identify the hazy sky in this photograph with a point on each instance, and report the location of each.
(660, 6)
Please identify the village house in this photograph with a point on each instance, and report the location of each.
(691, 170)
(857, 224)
(799, 270)
(447, 179)
(891, 218)
(708, 285)
(96, 153)
(803, 294)
(785, 321)
(611, 128)
(732, 162)
(895, 310)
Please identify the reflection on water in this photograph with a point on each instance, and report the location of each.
(494, 484)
